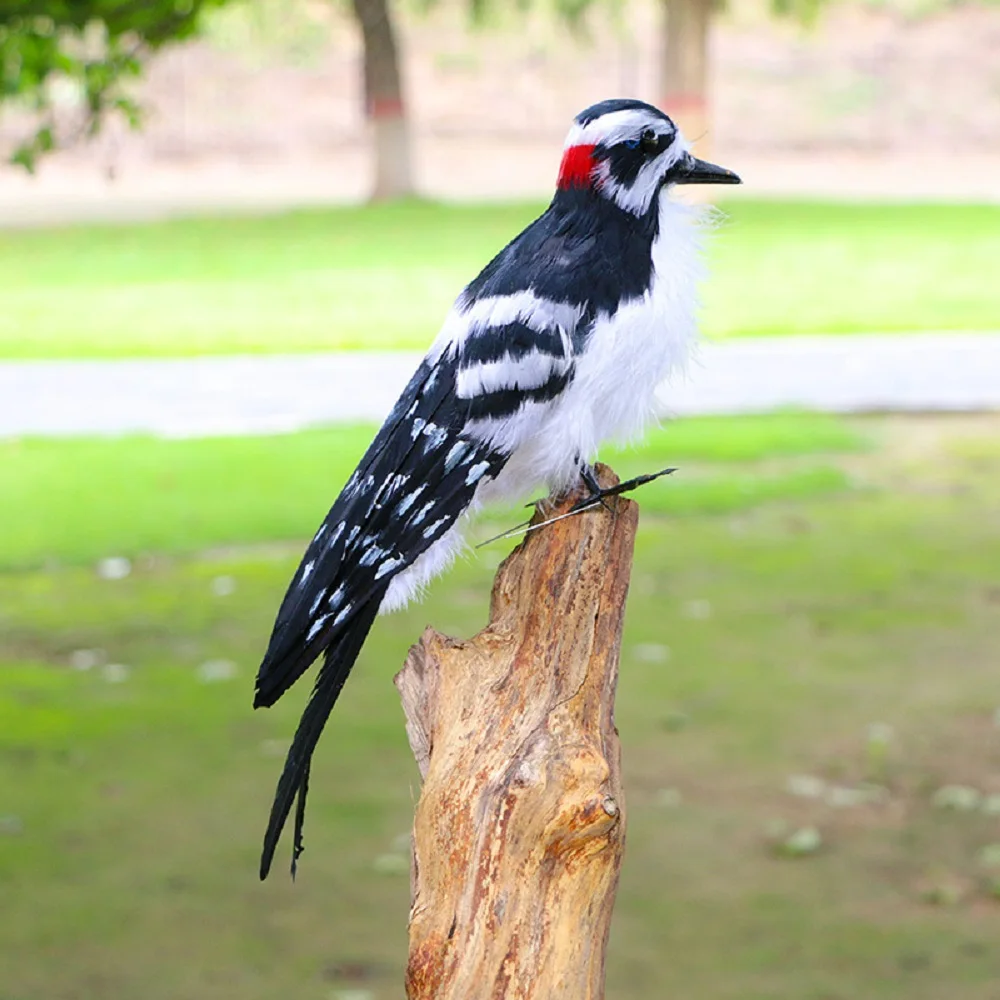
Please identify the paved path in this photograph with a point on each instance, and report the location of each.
(269, 394)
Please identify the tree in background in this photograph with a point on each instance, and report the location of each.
(385, 98)
(684, 72)
(88, 48)
(91, 49)
(385, 104)
(684, 69)
(300, 28)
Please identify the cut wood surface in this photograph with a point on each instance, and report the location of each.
(520, 828)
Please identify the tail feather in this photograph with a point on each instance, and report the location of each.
(294, 780)
(273, 683)
(300, 819)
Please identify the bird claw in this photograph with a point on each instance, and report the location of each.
(599, 494)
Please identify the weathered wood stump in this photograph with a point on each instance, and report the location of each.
(520, 828)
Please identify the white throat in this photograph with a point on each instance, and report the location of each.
(612, 397)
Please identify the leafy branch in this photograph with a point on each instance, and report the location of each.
(91, 48)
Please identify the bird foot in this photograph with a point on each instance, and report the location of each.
(600, 494)
(597, 494)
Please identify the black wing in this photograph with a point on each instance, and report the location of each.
(422, 470)
(419, 474)
(582, 249)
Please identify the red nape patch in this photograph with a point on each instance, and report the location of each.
(576, 167)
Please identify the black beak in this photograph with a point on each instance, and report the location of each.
(691, 170)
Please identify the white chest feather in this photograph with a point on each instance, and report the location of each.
(613, 394)
(611, 397)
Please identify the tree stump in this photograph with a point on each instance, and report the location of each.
(520, 828)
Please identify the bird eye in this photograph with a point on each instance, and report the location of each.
(649, 141)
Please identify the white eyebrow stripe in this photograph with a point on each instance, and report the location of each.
(615, 127)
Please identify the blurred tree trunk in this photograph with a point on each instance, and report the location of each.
(684, 76)
(384, 102)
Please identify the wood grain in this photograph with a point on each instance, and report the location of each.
(520, 827)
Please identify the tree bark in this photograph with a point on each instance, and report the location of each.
(520, 828)
(684, 77)
(384, 102)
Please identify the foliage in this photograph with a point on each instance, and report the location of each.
(804, 11)
(82, 52)
(265, 32)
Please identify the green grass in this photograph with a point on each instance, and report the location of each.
(759, 643)
(336, 278)
(78, 501)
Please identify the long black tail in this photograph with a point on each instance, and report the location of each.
(294, 780)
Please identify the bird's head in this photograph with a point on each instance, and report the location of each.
(627, 151)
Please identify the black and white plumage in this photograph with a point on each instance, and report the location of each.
(557, 346)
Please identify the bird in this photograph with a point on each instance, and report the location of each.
(557, 346)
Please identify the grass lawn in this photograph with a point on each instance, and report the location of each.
(384, 277)
(79, 500)
(767, 631)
